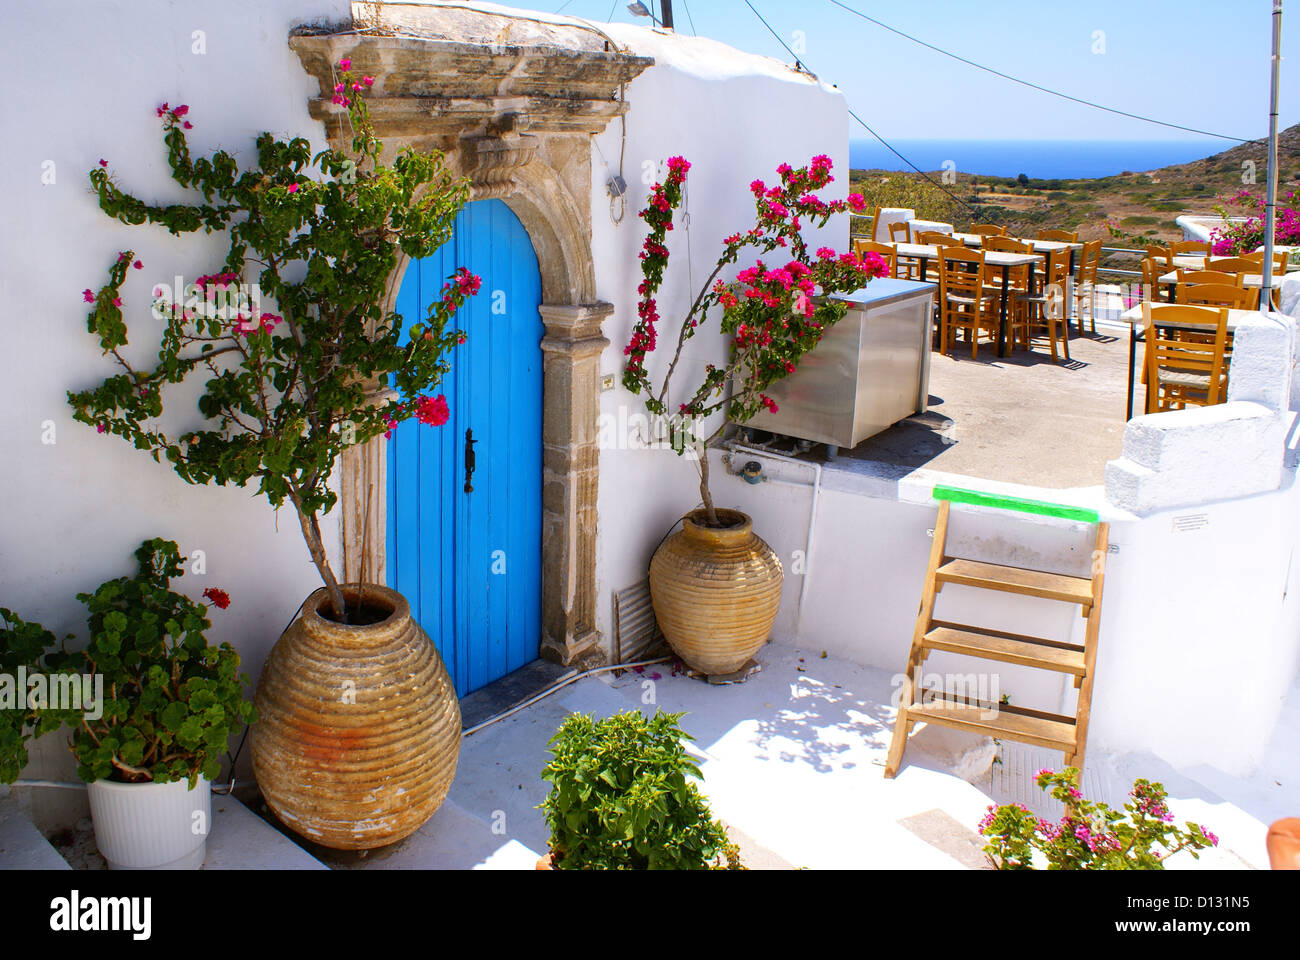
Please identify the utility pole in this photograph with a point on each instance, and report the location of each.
(1270, 208)
(666, 13)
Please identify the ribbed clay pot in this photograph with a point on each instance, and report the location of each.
(358, 727)
(715, 591)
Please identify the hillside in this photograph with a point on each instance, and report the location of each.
(1144, 203)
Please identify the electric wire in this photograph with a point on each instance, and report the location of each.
(1037, 86)
(689, 18)
(799, 64)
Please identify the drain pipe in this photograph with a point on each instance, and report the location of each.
(734, 448)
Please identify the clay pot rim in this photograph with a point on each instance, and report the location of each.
(696, 528)
(359, 633)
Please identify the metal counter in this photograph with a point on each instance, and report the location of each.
(869, 371)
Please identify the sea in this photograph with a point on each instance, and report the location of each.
(1039, 159)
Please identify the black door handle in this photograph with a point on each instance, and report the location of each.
(469, 459)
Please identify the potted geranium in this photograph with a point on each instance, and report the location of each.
(715, 585)
(299, 361)
(148, 741)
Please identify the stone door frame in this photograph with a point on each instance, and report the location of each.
(519, 142)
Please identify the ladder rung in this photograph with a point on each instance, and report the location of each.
(1005, 647)
(1032, 583)
(1028, 726)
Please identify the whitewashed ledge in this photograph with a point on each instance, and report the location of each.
(1235, 449)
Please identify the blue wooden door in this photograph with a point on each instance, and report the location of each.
(470, 563)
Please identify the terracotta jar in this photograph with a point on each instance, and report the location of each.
(716, 591)
(358, 726)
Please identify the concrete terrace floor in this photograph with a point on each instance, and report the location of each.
(1019, 419)
(793, 764)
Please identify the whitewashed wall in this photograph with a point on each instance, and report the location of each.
(735, 117)
(92, 74)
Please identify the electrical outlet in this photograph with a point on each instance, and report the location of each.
(606, 382)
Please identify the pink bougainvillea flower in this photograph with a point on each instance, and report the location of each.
(391, 425)
(293, 188)
(181, 111)
(103, 162)
(346, 63)
(219, 598)
(368, 80)
(88, 295)
(117, 301)
(162, 109)
(468, 283)
(187, 125)
(138, 265)
(432, 411)
(99, 427)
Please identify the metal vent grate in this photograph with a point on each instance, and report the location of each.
(636, 631)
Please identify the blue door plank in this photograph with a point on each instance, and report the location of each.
(442, 542)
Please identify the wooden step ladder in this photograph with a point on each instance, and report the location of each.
(1055, 731)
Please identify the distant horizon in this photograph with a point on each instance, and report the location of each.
(1039, 159)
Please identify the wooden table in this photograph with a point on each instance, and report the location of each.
(1133, 317)
(1003, 261)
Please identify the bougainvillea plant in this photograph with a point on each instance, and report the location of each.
(1090, 836)
(773, 312)
(290, 383)
(1247, 236)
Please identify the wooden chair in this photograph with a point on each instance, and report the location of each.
(1045, 307)
(1185, 369)
(1229, 295)
(1086, 283)
(937, 238)
(1163, 254)
(964, 302)
(909, 268)
(988, 230)
(1280, 260)
(875, 225)
(1018, 277)
(1235, 264)
(1210, 276)
(1190, 248)
(1153, 268)
(1060, 236)
(885, 251)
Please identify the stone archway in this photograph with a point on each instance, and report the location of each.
(512, 103)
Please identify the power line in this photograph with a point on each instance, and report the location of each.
(864, 124)
(1035, 86)
(689, 18)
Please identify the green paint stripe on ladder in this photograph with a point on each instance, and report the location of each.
(976, 498)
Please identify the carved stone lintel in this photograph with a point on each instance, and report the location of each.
(496, 161)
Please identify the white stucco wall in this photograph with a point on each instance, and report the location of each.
(735, 117)
(75, 509)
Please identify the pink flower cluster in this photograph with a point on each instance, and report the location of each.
(341, 97)
(432, 411)
(174, 115)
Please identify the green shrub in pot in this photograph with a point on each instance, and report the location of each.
(170, 700)
(622, 798)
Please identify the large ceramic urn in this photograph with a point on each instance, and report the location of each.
(715, 591)
(358, 726)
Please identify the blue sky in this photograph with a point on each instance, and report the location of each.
(1198, 63)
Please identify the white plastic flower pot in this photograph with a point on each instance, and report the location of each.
(151, 826)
